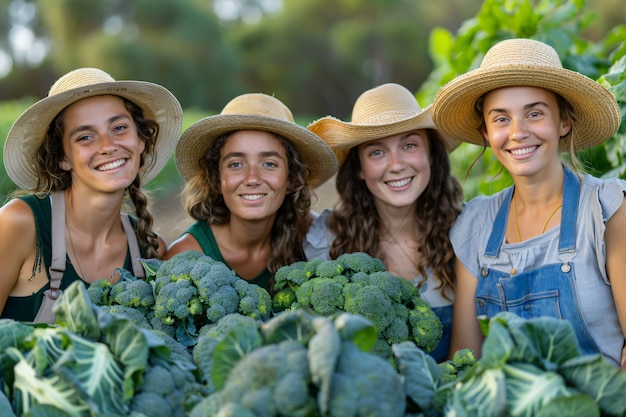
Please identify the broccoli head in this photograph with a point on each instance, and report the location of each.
(361, 262)
(176, 301)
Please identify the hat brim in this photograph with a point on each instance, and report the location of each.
(342, 136)
(29, 130)
(199, 137)
(597, 112)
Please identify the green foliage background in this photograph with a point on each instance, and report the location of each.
(562, 24)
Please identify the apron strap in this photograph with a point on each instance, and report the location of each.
(45, 313)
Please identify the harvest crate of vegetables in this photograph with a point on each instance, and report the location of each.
(129, 350)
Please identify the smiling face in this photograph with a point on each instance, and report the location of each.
(253, 174)
(523, 126)
(101, 145)
(396, 169)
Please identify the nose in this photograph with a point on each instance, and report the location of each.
(107, 143)
(518, 129)
(396, 162)
(252, 176)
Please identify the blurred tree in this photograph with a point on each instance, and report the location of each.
(175, 43)
(319, 55)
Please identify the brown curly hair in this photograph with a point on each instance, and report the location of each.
(52, 178)
(356, 224)
(204, 202)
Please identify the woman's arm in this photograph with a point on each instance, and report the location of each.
(465, 328)
(615, 239)
(18, 246)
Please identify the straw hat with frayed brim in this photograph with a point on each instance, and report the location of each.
(255, 111)
(29, 131)
(383, 111)
(528, 63)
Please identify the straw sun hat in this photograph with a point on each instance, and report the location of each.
(29, 130)
(383, 111)
(529, 63)
(255, 111)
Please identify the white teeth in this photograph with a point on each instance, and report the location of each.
(112, 165)
(252, 197)
(400, 183)
(523, 151)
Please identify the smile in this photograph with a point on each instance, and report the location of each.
(399, 183)
(252, 197)
(112, 165)
(523, 151)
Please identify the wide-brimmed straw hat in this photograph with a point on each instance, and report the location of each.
(529, 63)
(383, 111)
(254, 111)
(29, 131)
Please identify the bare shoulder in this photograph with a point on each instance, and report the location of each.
(16, 220)
(184, 243)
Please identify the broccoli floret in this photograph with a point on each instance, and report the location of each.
(221, 275)
(173, 381)
(452, 370)
(371, 303)
(326, 297)
(447, 372)
(258, 377)
(328, 269)
(151, 404)
(135, 315)
(390, 284)
(137, 294)
(178, 351)
(426, 329)
(291, 275)
(223, 301)
(463, 357)
(397, 331)
(377, 386)
(158, 324)
(254, 301)
(99, 292)
(176, 301)
(310, 267)
(361, 262)
(283, 300)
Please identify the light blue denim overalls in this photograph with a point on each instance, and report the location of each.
(546, 291)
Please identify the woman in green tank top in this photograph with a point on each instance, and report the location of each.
(93, 141)
(249, 173)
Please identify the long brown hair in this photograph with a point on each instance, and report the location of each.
(204, 202)
(356, 224)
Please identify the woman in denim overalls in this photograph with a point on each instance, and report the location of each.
(553, 243)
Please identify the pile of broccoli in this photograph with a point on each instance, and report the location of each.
(299, 364)
(358, 283)
(181, 295)
(91, 363)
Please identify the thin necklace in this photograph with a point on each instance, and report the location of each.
(545, 225)
(394, 235)
(69, 232)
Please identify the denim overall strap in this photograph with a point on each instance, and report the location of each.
(569, 215)
(569, 212)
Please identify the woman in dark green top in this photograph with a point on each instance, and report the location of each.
(77, 155)
(249, 172)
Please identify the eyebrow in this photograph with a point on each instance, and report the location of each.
(264, 154)
(110, 120)
(526, 107)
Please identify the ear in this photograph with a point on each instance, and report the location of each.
(566, 127)
(64, 165)
(360, 174)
